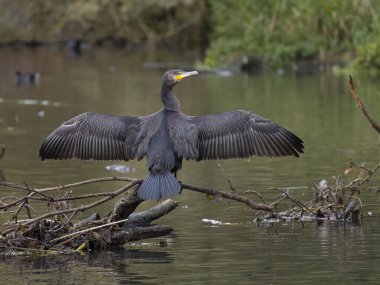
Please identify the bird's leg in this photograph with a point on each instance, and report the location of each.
(175, 175)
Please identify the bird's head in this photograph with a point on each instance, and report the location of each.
(172, 77)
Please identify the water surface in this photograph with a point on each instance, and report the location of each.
(317, 107)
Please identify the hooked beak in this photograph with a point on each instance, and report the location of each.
(185, 74)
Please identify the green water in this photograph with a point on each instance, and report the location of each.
(318, 108)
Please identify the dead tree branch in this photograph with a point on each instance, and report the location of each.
(74, 210)
(152, 214)
(373, 123)
(232, 196)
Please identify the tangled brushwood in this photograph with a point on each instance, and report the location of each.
(334, 201)
(59, 230)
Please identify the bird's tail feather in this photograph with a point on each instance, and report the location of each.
(159, 186)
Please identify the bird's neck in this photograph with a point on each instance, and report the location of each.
(169, 99)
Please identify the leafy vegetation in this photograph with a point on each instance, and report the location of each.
(135, 22)
(277, 32)
(281, 31)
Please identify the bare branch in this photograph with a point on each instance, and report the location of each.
(231, 196)
(87, 230)
(373, 123)
(79, 209)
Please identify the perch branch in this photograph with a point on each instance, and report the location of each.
(153, 213)
(231, 196)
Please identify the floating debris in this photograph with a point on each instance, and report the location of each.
(120, 168)
(214, 222)
(211, 221)
(39, 102)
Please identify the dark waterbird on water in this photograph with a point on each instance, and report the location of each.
(27, 77)
(168, 136)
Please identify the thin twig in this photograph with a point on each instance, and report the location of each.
(257, 193)
(294, 200)
(373, 123)
(66, 186)
(87, 230)
(82, 208)
(360, 181)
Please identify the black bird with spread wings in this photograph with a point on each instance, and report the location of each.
(167, 137)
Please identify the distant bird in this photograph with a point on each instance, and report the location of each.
(27, 77)
(74, 47)
(168, 136)
(2, 151)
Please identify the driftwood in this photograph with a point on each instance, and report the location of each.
(152, 214)
(125, 206)
(59, 230)
(56, 229)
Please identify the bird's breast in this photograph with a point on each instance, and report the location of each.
(184, 136)
(161, 153)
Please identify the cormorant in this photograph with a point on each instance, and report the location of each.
(168, 136)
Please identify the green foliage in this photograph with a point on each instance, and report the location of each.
(150, 21)
(281, 31)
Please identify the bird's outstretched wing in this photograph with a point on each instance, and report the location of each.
(240, 134)
(93, 136)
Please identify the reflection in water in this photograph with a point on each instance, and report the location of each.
(107, 267)
(317, 107)
(2, 151)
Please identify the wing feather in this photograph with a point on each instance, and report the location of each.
(240, 134)
(93, 136)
